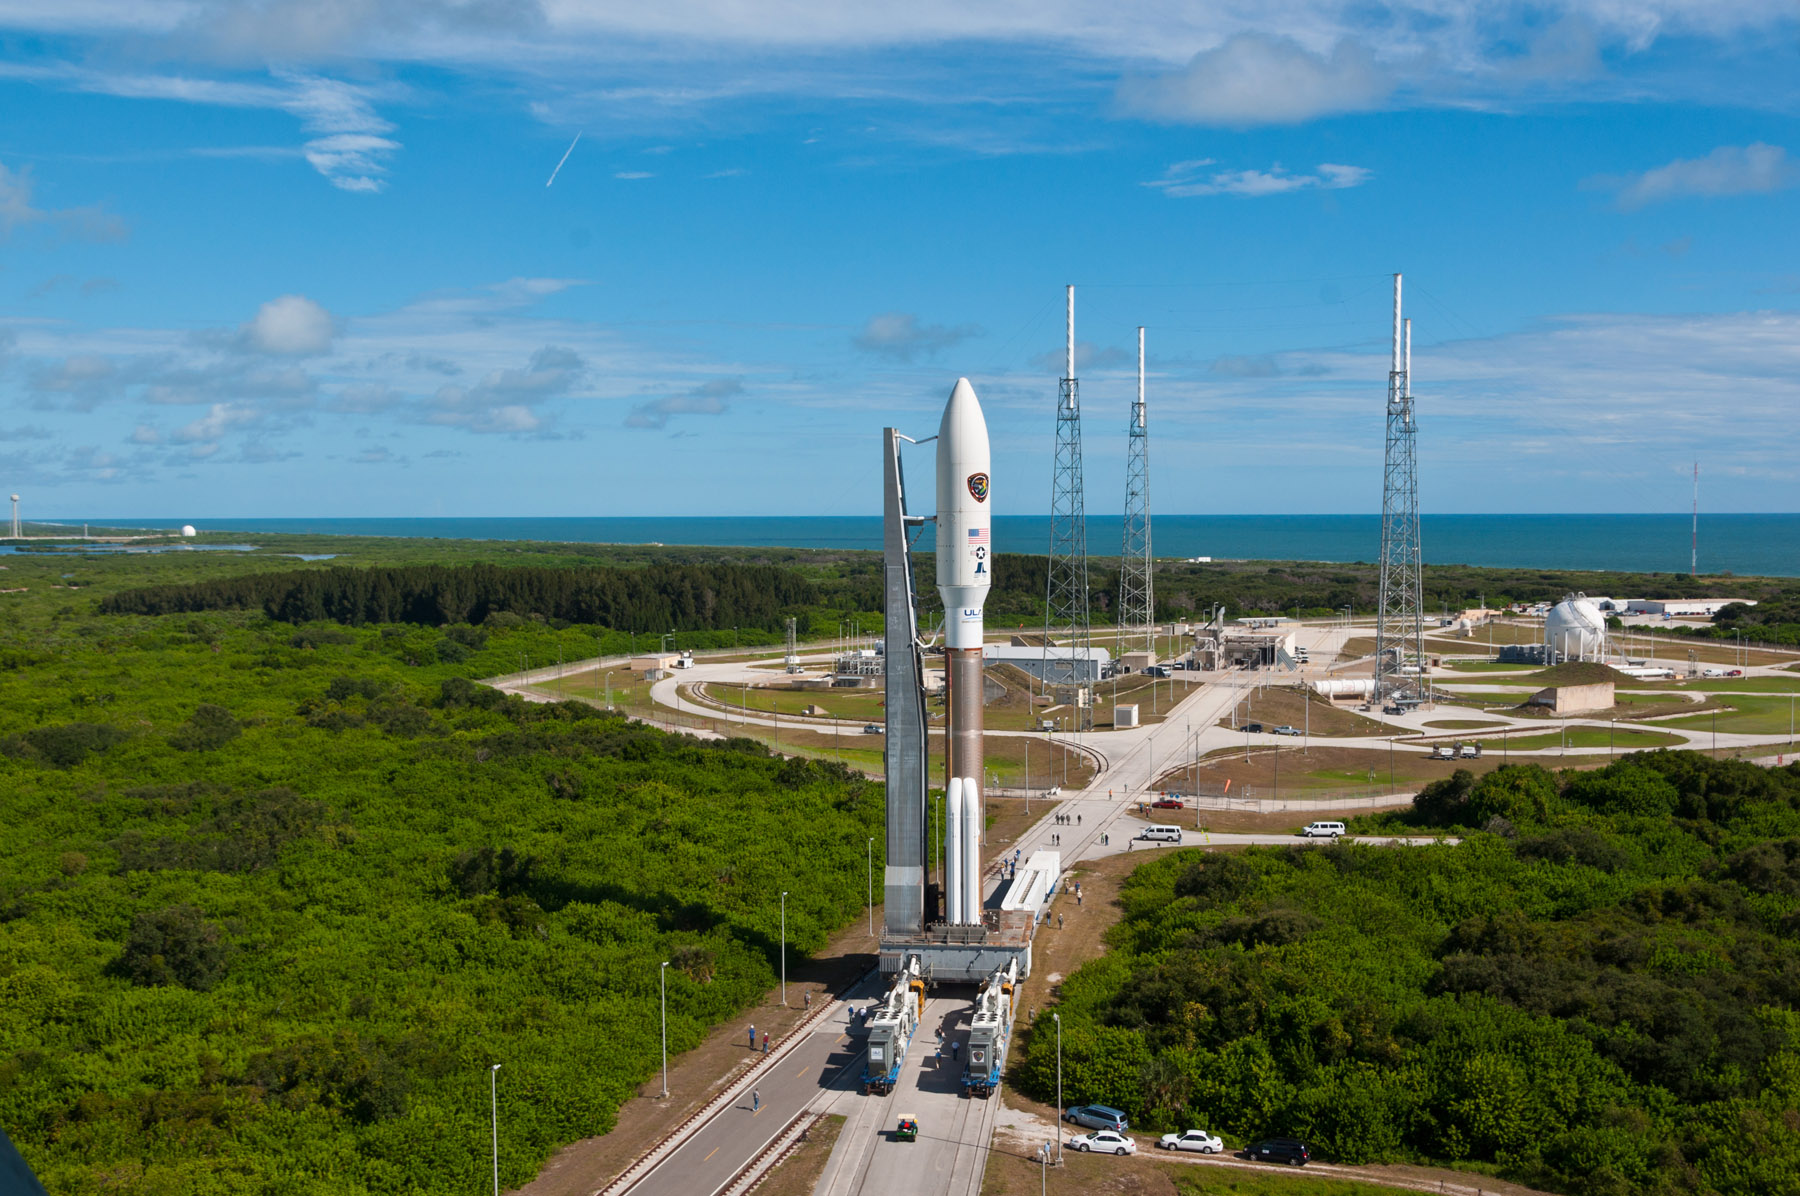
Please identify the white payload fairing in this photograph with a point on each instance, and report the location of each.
(965, 563)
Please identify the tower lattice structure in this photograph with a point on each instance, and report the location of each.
(1137, 593)
(1067, 630)
(1400, 619)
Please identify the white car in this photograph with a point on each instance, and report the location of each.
(1104, 1140)
(1196, 1140)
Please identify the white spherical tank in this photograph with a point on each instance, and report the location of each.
(1575, 629)
(187, 529)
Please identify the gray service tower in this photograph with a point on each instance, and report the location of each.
(945, 924)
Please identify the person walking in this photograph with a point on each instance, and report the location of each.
(753, 1036)
(765, 1042)
(755, 1101)
(1059, 921)
(806, 999)
(955, 1050)
(1077, 820)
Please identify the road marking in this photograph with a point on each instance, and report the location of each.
(802, 1071)
(709, 1154)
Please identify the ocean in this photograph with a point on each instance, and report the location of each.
(1760, 545)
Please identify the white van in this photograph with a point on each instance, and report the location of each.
(1161, 834)
(1323, 830)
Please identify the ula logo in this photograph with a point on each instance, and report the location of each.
(978, 486)
(970, 612)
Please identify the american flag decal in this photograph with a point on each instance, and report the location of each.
(978, 536)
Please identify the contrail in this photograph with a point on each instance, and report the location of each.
(565, 158)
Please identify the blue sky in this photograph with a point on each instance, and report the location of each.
(300, 258)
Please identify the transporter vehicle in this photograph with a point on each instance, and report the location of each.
(891, 1027)
(1107, 1141)
(1099, 1117)
(1279, 1150)
(990, 1031)
(1198, 1141)
(1442, 751)
(1470, 751)
(907, 1130)
(1322, 830)
(1161, 834)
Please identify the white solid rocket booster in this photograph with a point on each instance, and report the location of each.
(953, 886)
(965, 562)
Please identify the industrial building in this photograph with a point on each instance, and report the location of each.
(1682, 608)
(1084, 666)
(1246, 647)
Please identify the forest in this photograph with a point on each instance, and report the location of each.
(1597, 992)
(274, 895)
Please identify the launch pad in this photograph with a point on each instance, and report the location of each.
(963, 954)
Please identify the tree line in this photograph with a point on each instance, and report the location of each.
(653, 598)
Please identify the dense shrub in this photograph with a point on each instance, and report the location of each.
(174, 945)
(1608, 1002)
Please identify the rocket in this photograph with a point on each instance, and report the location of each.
(965, 560)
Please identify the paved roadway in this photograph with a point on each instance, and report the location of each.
(829, 1059)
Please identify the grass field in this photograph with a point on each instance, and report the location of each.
(1485, 666)
(1747, 716)
(1275, 706)
(1621, 739)
(857, 705)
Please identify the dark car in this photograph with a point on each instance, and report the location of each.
(1253, 728)
(1166, 803)
(1279, 1150)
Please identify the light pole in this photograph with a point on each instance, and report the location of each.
(784, 947)
(1057, 1018)
(494, 1104)
(663, 972)
(871, 885)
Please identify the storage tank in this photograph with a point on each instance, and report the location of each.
(1575, 630)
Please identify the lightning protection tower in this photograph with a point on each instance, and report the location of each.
(1066, 591)
(1137, 595)
(1400, 625)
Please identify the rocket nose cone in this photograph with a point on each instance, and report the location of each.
(962, 414)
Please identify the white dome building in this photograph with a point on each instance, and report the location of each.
(1575, 630)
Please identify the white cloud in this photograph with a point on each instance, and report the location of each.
(899, 335)
(633, 175)
(1729, 170)
(502, 401)
(1258, 79)
(90, 223)
(1189, 179)
(145, 434)
(708, 398)
(289, 326)
(212, 427)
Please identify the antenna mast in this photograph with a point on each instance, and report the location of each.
(1694, 544)
(1400, 621)
(1066, 589)
(1137, 595)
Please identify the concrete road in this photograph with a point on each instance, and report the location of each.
(954, 1131)
(831, 1058)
